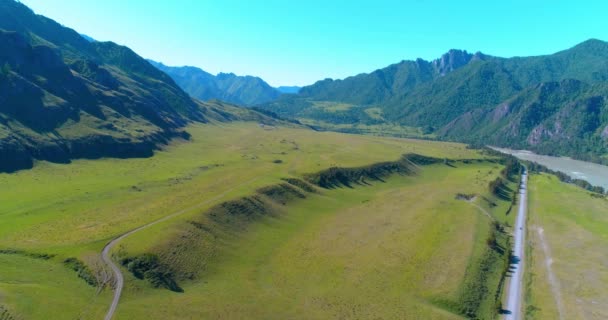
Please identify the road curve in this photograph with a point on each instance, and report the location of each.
(105, 253)
(513, 310)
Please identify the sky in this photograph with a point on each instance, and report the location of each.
(299, 42)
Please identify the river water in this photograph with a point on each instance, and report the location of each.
(593, 173)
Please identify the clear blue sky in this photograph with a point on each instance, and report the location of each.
(298, 42)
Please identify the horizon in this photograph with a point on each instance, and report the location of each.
(245, 47)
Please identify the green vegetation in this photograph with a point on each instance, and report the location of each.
(266, 219)
(147, 266)
(345, 177)
(395, 248)
(92, 201)
(70, 98)
(33, 288)
(83, 271)
(376, 129)
(568, 234)
(553, 104)
(5, 314)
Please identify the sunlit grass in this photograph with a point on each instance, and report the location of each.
(575, 229)
(386, 251)
(72, 210)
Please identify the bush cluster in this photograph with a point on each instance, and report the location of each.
(83, 271)
(148, 266)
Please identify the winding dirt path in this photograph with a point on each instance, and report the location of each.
(107, 259)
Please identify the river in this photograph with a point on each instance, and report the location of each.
(593, 173)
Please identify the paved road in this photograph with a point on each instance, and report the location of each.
(514, 294)
(107, 259)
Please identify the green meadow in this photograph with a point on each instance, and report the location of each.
(404, 247)
(568, 237)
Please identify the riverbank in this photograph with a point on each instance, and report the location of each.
(595, 174)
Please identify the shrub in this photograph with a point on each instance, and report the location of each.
(300, 184)
(281, 193)
(83, 271)
(5, 314)
(336, 177)
(148, 267)
(491, 240)
(495, 186)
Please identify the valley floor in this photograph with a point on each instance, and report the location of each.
(403, 247)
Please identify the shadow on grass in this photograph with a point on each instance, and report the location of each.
(499, 249)
(504, 192)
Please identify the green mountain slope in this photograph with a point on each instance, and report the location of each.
(456, 96)
(63, 97)
(566, 117)
(242, 90)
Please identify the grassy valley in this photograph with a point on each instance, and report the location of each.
(124, 196)
(94, 200)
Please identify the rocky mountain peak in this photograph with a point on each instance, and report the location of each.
(453, 60)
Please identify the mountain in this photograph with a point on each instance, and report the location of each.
(565, 117)
(89, 39)
(456, 96)
(64, 97)
(289, 89)
(242, 90)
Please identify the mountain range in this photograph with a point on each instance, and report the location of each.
(554, 104)
(289, 89)
(242, 90)
(63, 96)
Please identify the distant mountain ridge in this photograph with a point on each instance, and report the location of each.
(289, 89)
(454, 97)
(242, 90)
(89, 39)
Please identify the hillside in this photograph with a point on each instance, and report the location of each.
(567, 117)
(63, 97)
(242, 90)
(451, 98)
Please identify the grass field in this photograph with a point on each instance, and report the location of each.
(73, 210)
(405, 248)
(568, 278)
(382, 129)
